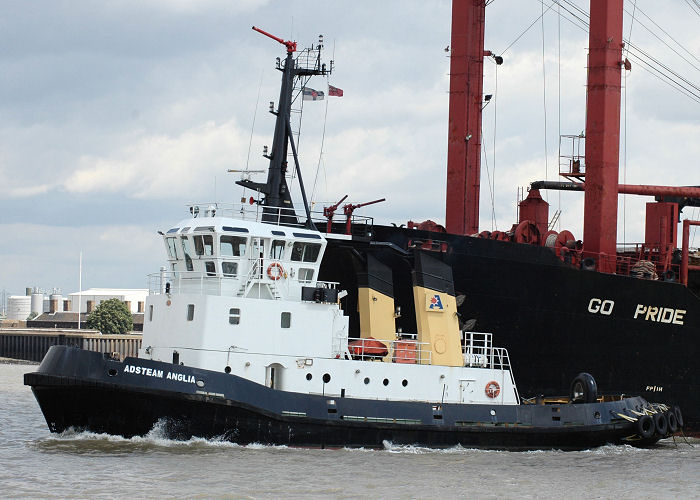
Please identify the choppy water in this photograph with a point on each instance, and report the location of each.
(37, 464)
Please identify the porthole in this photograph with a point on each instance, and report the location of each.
(200, 383)
(366, 380)
(227, 369)
(385, 381)
(112, 372)
(309, 376)
(404, 382)
(596, 414)
(326, 378)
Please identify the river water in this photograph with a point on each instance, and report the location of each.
(37, 464)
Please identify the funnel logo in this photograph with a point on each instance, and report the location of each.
(434, 303)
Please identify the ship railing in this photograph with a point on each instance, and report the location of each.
(179, 282)
(638, 260)
(360, 225)
(478, 352)
(405, 351)
(320, 284)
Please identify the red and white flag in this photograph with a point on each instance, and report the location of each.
(335, 91)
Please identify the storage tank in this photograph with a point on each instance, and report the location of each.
(19, 307)
(55, 301)
(37, 304)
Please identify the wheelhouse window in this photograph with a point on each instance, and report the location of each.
(305, 252)
(187, 252)
(190, 312)
(286, 320)
(234, 316)
(277, 249)
(306, 274)
(172, 248)
(229, 269)
(211, 268)
(204, 244)
(232, 246)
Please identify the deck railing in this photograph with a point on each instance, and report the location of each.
(292, 217)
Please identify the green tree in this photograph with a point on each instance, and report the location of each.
(111, 316)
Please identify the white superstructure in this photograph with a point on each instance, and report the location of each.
(242, 296)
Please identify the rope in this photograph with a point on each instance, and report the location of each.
(488, 177)
(526, 29)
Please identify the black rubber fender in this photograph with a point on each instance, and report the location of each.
(584, 389)
(679, 416)
(672, 422)
(661, 424)
(645, 427)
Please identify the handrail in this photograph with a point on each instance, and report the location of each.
(267, 215)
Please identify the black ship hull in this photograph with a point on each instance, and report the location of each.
(554, 319)
(84, 390)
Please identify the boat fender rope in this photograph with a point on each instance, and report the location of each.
(275, 275)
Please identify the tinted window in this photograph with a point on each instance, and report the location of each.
(172, 248)
(234, 316)
(286, 320)
(305, 252)
(306, 274)
(277, 250)
(190, 312)
(211, 268)
(186, 250)
(232, 246)
(229, 268)
(204, 244)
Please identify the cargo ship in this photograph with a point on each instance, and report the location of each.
(560, 304)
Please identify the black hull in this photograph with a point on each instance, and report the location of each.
(538, 308)
(75, 390)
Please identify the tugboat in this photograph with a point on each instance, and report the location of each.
(242, 341)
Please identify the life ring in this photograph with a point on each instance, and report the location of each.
(275, 275)
(493, 389)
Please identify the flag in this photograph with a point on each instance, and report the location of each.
(335, 91)
(312, 95)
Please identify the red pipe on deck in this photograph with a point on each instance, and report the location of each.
(679, 191)
(603, 130)
(686, 243)
(464, 134)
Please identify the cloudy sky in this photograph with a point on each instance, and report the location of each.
(115, 115)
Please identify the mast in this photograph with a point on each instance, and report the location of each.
(603, 132)
(277, 198)
(464, 135)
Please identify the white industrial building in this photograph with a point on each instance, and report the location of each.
(134, 298)
(37, 302)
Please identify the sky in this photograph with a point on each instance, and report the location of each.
(115, 115)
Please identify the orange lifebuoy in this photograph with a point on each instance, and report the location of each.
(274, 276)
(493, 389)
